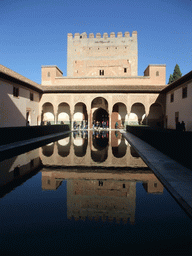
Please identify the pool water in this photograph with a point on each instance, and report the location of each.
(89, 194)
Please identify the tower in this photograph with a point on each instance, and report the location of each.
(107, 56)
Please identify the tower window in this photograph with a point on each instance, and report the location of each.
(155, 185)
(125, 70)
(101, 72)
(172, 97)
(100, 183)
(184, 92)
(157, 73)
(48, 74)
(31, 96)
(15, 91)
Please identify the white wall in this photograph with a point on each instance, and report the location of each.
(13, 109)
(183, 106)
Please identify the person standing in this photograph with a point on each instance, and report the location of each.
(182, 126)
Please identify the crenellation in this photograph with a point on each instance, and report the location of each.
(119, 34)
(112, 35)
(83, 35)
(70, 35)
(127, 34)
(134, 34)
(91, 35)
(98, 35)
(105, 35)
(77, 36)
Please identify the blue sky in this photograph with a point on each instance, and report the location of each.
(34, 33)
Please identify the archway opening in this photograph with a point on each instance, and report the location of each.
(137, 115)
(99, 111)
(80, 116)
(63, 113)
(48, 113)
(119, 115)
(101, 115)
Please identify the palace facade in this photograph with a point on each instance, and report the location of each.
(102, 83)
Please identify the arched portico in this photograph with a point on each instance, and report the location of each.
(99, 111)
(80, 114)
(48, 113)
(137, 114)
(119, 114)
(63, 113)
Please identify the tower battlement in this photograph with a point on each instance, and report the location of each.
(98, 35)
(113, 55)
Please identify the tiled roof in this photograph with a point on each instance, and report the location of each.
(9, 74)
(106, 89)
(177, 83)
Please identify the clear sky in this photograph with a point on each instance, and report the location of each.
(34, 32)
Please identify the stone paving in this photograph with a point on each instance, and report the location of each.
(176, 178)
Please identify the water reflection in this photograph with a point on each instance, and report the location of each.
(91, 187)
(90, 149)
(16, 170)
(103, 182)
(106, 194)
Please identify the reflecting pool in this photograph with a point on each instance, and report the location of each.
(88, 193)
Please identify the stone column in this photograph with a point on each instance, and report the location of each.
(55, 117)
(147, 109)
(89, 116)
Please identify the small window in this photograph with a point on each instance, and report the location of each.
(157, 73)
(98, 48)
(125, 70)
(15, 91)
(48, 182)
(31, 96)
(48, 74)
(32, 163)
(172, 97)
(100, 183)
(101, 72)
(155, 185)
(115, 47)
(184, 92)
(123, 185)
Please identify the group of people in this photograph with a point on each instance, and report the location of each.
(180, 126)
(82, 125)
(97, 124)
(100, 134)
